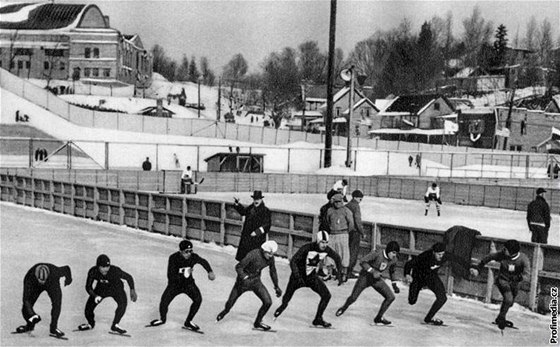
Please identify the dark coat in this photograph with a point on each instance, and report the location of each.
(538, 211)
(255, 218)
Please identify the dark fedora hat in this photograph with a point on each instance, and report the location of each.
(257, 194)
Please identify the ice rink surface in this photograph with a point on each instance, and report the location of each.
(29, 236)
(492, 222)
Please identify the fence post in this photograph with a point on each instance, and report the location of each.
(203, 221)
(288, 169)
(222, 223)
(374, 236)
(150, 225)
(290, 238)
(536, 266)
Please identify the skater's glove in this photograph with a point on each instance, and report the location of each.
(67, 281)
(97, 299)
(211, 276)
(133, 295)
(473, 271)
(278, 292)
(254, 233)
(236, 200)
(396, 288)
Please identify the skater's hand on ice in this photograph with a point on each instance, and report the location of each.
(236, 200)
(133, 295)
(211, 276)
(98, 299)
(278, 292)
(396, 288)
(473, 271)
(408, 278)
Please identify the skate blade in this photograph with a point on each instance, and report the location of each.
(194, 331)
(381, 325)
(119, 334)
(265, 331)
(58, 337)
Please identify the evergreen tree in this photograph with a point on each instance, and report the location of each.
(193, 70)
(500, 47)
(183, 70)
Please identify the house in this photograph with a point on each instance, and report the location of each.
(551, 144)
(422, 116)
(554, 105)
(363, 112)
(70, 42)
(235, 162)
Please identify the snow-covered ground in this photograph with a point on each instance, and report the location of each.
(30, 236)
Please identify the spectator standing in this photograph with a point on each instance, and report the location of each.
(146, 165)
(340, 221)
(256, 226)
(357, 232)
(186, 180)
(538, 217)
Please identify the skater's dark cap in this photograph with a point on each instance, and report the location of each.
(42, 272)
(541, 190)
(512, 246)
(322, 236)
(438, 247)
(103, 260)
(357, 194)
(392, 246)
(257, 194)
(185, 245)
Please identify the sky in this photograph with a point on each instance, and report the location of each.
(220, 29)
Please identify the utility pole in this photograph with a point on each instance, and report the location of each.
(219, 99)
(198, 80)
(330, 85)
(508, 119)
(350, 111)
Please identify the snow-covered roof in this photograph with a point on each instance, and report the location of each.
(411, 131)
(382, 104)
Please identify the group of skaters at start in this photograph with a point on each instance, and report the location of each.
(105, 280)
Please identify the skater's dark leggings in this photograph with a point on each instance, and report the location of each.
(31, 293)
(119, 296)
(256, 286)
(366, 280)
(434, 283)
(170, 293)
(315, 284)
(509, 292)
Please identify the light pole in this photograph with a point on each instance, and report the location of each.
(199, 79)
(348, 75)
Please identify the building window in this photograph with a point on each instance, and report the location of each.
(367, 112)
(46, 65)
(12, 64)
(87, 72)
(107, 72)
(23, 51)
(517, 148)
(338, 112)
(87, 52)
(95, 72)
(54, 52)
(436, 106)
(96, 52)
(20, 64)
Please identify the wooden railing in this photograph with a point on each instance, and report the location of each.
(207, 220)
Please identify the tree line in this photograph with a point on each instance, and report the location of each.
(391, 62)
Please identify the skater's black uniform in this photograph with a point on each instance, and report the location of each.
(43, 277)
(424, 269)
(514, 268)
(249, 279)
(305, 264)
(373, 266)
(108, 279)
(180, 281)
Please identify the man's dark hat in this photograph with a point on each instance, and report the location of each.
(541, 190)
(257, 194)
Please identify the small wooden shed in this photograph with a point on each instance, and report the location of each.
(235, 162)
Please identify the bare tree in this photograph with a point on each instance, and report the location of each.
(477, 32)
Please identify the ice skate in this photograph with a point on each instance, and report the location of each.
(155, 323)
(220, 316)
(23, 329)
(261, 326)
(57, 333)
(35, 319)
(436, 322)
(340, 311)
(319, 322)
(191, 326)
(381, 320)
(117, 329)
(85, 326)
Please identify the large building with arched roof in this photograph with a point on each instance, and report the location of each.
(70, 42)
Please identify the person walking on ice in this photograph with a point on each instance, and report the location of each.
(432, 194)
(422, 271)
(181, 281)
(109, 284)
(374, 265)
(514, 268)
(43, 277)
(249, 279)
(305, 264)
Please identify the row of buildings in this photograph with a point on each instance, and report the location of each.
(432, 118)
(70, 42)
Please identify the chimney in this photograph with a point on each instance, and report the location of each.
(107, 21)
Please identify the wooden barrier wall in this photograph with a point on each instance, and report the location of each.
(187, 216)
(513, 197)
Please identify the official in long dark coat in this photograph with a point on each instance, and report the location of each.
(256, 226)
